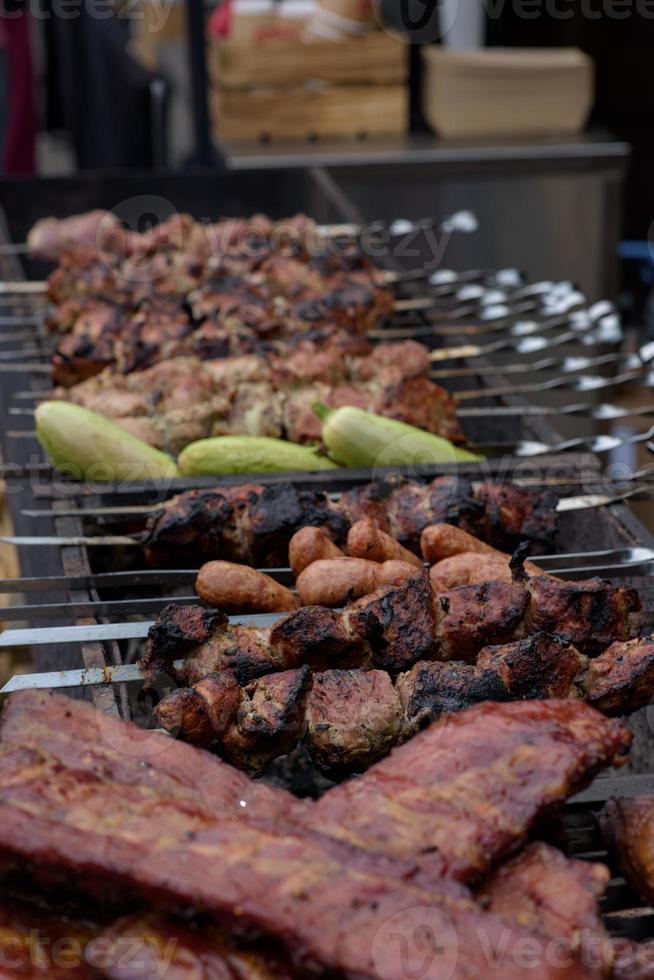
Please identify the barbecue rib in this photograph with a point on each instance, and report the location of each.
(349, 719)
(184, 399)
(554, 897)
(328, 902)
(35, 944)
(449, 798)
(628, 828)
(254, 524)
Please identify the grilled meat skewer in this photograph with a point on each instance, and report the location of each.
(254, 525)
(299, 273)
(134, 335)
(392, 629)
(348, 719)
(102, 232)
(185, 399)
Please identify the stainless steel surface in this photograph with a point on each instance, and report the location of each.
(440, 155)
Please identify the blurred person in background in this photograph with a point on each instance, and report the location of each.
(17, 98)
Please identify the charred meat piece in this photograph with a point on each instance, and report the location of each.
(511, 516)
(516, 761)
(324, 900)
(203, 524)
(354, 717)
(247, 725)
(396, 624)
(468, 616)
(430, 690)
(621, 679)
(254, 525)
(554, 897)
(591, 614)
(628, 829)
(540, 666)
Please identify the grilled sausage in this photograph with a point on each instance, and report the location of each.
(337, 581)
(239, 589)
(468, 568)
(310, 544)
(367, 540)
(439, 541)
(396, 572)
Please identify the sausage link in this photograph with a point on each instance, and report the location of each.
(440, 541)
(337, 581)
(367, 540)
(239, 589)
(310, 544)
(396, 572)
(468, 569)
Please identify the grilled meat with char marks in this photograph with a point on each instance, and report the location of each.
(254, 525)
(351, 718)
(135, 339)
(325, 900)
(391, 629)
(515, 761)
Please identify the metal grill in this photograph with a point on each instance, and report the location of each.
(81, 604)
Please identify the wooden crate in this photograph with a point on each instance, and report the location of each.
(376, 58)
(302, 112)
(278, 89)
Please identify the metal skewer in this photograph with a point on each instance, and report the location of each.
(603, 412)
(565, 504)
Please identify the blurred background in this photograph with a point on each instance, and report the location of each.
(532, 89)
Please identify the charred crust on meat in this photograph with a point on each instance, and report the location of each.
(280, 511)
(318, 636)
(397, 624)
(177, 630)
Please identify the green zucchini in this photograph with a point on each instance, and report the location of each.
(354, 437)
(88, 446)
(248, 454)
